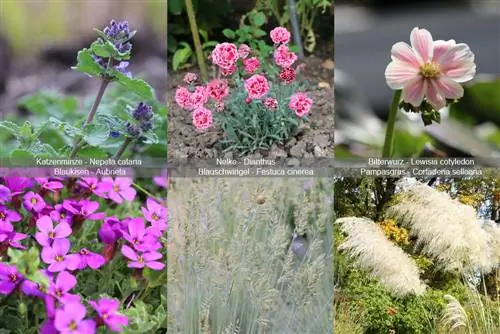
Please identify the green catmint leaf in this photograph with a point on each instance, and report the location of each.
(107, 49)
(86, 63)
(67, 128)
(96, 133)
(48, 103)
(11, 127)
(138, 86)
(92, 152)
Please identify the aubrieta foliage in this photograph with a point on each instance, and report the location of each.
(81, 256)
(110, 126)
(256, 101)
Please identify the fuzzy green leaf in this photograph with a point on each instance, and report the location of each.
(86, 64)
(138, 86)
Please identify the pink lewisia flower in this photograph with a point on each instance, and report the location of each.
(270, 103)
(218, 89)
(198, 98)
(284, 57)
(10, 278)
(33, 202)
(225, 55)
(251, 64)
(139, 260)
(202, 118)
(8, 216)
(280, 35)
(429, 69)
(183, 98)
(190, 78)
(57, 257)
(48, 184)
(47, 232)
(90, 259)
(300, 103)
(256, 86)
(243, 51)
(71, 319)
(121, 189)
(107, 310)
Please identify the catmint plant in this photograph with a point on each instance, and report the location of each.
(255, 107)
(82, 255)
(112, 123)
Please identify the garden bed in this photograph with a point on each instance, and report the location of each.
(314, 140)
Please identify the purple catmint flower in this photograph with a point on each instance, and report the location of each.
(84, 209)
(33, 202)
(31, 288)
(71, 319)
(121, 189)
(122, 67)
(61, 215)
(146, 126)
(110, 230)
(47, 232)
(124, 47)
(8, 216)
(90, 259)
(5, 194)
(114, 134)
(48, 184)
(143, 112)
(118, 31)
(107, 310)
(60, 288)
(10, 278)
(141, 260)
(57, 257)
(141, 238)
(132, 130)
(100, 61)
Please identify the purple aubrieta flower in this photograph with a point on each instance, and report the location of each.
(156, 214)
(17, 184)
(139, 237)
(71, 319)
(121, 189)
(10, 278)
(111, 230)
(141, 260)
(90, 259)
(107, 310)
(48, 184)
(93, 184)
(8, 216)
(61, 215)
(31, 288)
(162, 180)
(84, 208)
(33, 202)
(48, 327)
(12, 239)
(48, 233)
(60, 287)
(57, 257)
(5, 194)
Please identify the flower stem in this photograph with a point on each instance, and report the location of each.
(138, 187)
(90, 117)
(196, 39)
(391, 124)
(122, 148)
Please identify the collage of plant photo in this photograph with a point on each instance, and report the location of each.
(115, 113)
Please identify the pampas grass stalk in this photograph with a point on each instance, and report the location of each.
(367, 245)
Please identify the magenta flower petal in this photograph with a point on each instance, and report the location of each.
(61, 246)
(155, 265)
(129, 253)
(95, 261)
(62, 230)
(151, 256)
(115, 197)
(48, 254)
(128, 194)
(45, 224)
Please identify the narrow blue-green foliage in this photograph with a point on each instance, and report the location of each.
(251, 126)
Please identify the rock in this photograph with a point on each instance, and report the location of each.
(298, 150)
(277, 152)
(293, 162)
(319, 152)
(328, 64)
(321, 140)
(324, 85)
(228, 155)
(291, 142)
(5, 60)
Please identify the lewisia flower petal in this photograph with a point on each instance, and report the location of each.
(422, 43)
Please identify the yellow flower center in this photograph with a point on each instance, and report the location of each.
(52, 235)
(2, 215)
(73, 326)
(140, 259)
(155, 216)
(33, 200)
(13, 277)
(59, 258)
(116, 188)
(430, 70)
